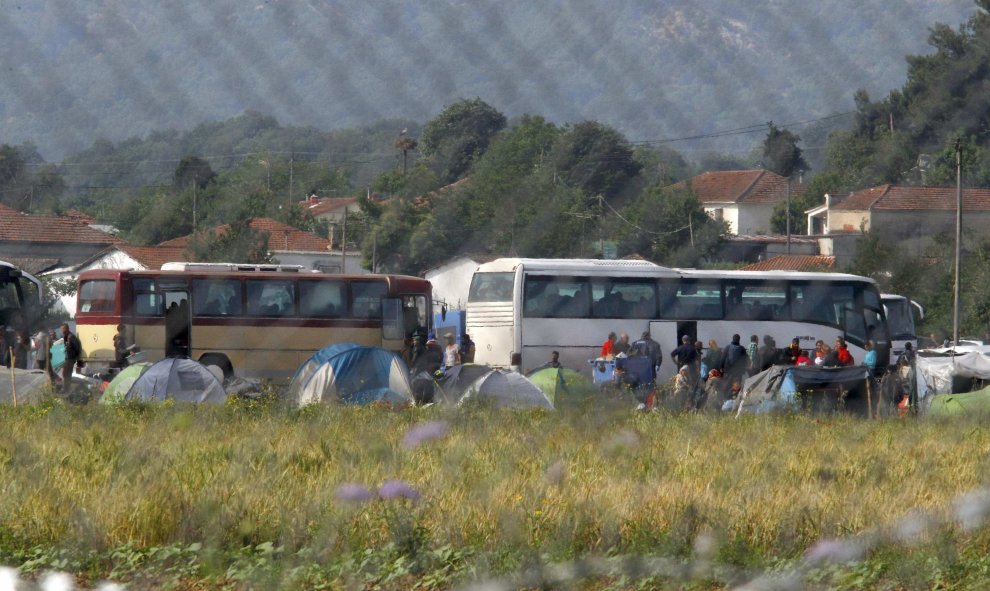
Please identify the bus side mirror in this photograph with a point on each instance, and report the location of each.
(443, 312)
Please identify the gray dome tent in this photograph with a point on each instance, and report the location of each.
(182, 380)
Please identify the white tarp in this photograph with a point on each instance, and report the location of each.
(935, 373)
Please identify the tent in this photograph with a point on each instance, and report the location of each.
(349, 373)
(506, 389)
(945, 374)
(970, 403)
(457, 379)
(561, 384)
(122, 382)
(777, 388)
(179, 379)
(31, 385)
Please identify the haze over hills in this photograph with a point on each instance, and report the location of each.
(77, 71)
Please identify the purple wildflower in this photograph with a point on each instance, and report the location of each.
(353, 493)
(398, 489)
(425, 432)
(836, 551)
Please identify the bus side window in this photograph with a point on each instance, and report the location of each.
(366, 298)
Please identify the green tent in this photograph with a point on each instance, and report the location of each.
(122, 382)
(561, 384)
(952, 405)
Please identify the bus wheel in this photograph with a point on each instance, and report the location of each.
(220, 360)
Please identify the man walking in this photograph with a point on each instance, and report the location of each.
(73, 351)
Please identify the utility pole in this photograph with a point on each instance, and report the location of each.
(343, 244)
(955, 287)
(194, 205)
(291, 158)
(787, 215)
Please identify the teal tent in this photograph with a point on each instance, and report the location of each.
(349, 373)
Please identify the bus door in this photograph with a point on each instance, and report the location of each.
(668, 334)
(178, 320)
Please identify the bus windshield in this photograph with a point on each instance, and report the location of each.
(900, 320)
(491, 287)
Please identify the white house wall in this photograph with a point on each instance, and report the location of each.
(114, 259)
(452, 282)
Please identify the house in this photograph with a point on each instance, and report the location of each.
(743, 198)
(121, 256)
(752, 248)
(62, 240)
(908, 216)
(292, 246)
(452, 280)
(793, 263)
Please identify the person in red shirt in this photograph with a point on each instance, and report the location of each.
(608, 347)
(802, 358)
(845, 357)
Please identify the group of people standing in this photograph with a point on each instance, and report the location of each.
(424, 353)
(22, 351)
(707, 377)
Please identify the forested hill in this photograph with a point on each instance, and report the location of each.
(78, 70)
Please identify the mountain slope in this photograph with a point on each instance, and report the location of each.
(76, 71)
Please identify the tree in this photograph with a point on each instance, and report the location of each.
(238, 243)
(669, 226)
(192, 171)
(781, 153)
(594, 158)
(459, 135)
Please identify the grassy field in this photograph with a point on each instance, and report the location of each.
(254, 496)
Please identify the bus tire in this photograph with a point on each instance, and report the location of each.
(220, 360)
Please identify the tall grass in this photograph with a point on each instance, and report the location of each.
(108, 488)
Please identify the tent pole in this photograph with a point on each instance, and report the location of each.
(869, 399)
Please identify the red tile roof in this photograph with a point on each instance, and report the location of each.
(153, 257)
(793, 262)
(316, 207)
(740, 186)
(22, 227)
(280, 237)
(897, 197)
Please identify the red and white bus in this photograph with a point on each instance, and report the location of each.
(258, 321)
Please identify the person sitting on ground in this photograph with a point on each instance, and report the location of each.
(845, 357)
(622, 345)
(714, 391)
(793, 351)
(683, 396)
(831, 358)
(608, 347)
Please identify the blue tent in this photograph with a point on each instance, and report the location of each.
(349, 373)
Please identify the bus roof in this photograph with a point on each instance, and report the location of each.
(776, 274)
(640, 268)
(199, 272)
(572, 266)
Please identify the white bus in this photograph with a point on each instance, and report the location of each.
(20, 298)
(901, 313)
(532, 307)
